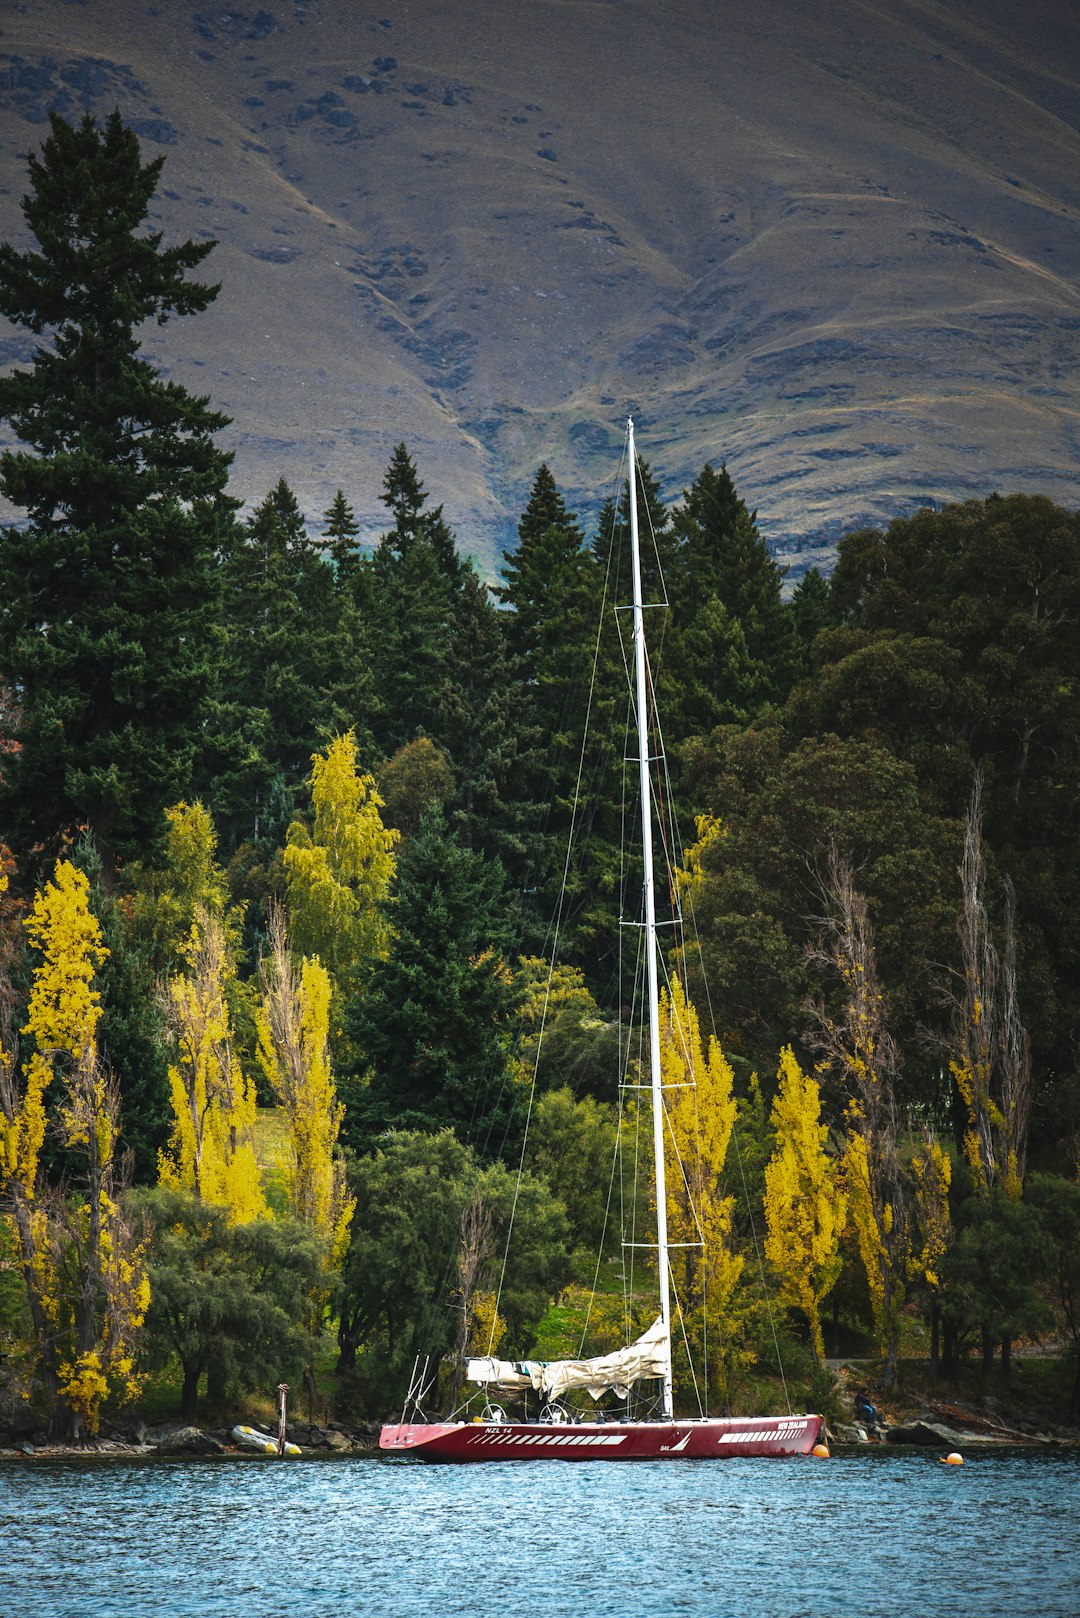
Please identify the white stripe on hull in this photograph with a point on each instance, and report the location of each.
(720, 1438)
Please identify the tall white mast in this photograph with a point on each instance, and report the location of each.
(641, 679)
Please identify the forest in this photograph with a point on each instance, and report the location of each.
(316, 859)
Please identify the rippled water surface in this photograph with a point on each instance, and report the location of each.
(884, 1533)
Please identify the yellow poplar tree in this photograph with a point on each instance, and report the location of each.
(165, 899)
(338, 875)
(860, 1051)
(931, 1177)
(992, 1065)
(293, 1025)
(84, 1271)
(211, 1149)
(699, 1105)
(805, 1209)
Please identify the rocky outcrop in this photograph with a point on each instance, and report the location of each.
(187, 1441)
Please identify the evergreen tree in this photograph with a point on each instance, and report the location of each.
(720, 560)
(417, 577)
(569, 684)
(811, 609)
(132, 1030)
(340, 536)
(478, 725)
(960, 649)
(430, 1019)
(541, 572)
(404, 495)
(289, 677)
(413, 607)
(108, 596)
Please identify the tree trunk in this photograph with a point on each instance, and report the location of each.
(66, 1426)
(951, 1349)
(217, 1385)
(892, 1356)
(189, 1393)
(987, 1353)
(1006, 1355)
(348, 1338)
(935, 1341)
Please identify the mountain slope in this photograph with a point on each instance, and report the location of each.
(833, 243)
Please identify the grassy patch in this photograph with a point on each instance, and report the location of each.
(272, 1154)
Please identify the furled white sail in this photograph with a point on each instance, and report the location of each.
(649, 1356)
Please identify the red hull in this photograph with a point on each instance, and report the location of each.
(711, 1439)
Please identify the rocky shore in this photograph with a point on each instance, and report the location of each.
(909, 1416)
(914, 1416)
(172, 1438)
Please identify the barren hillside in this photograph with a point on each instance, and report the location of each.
(832, 242)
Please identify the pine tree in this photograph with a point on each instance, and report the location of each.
(719, 557)
(416, 579)
(289, 679)
(539, 573)
(404, 495)
(413, 609)
(430, 1020)
(480, 729)
(811, 609)
(349, 628)
(570, 697)
(108, 593)
(340, 536)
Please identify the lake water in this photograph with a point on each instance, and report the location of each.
(881, 1533)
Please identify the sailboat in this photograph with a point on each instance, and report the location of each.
(556, 1434)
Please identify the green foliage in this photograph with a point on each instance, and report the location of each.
(959, 649)
(430, 1021)
(780, 806)
(812, 610)
(401, 1269)
(416, 579)
(132, 1030)
(108, 593)
(340, 538)
(562, 1040)
(152, 647)
(290, 668)
(568, 675)
(732, 640)
(477, 724)
(225, 1298)
(417, 777)
(992, 1271)
(1057, 1203)
(572, 1144)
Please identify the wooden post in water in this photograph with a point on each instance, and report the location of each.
(283, 1388)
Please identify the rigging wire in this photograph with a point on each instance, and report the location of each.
(554, 934)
